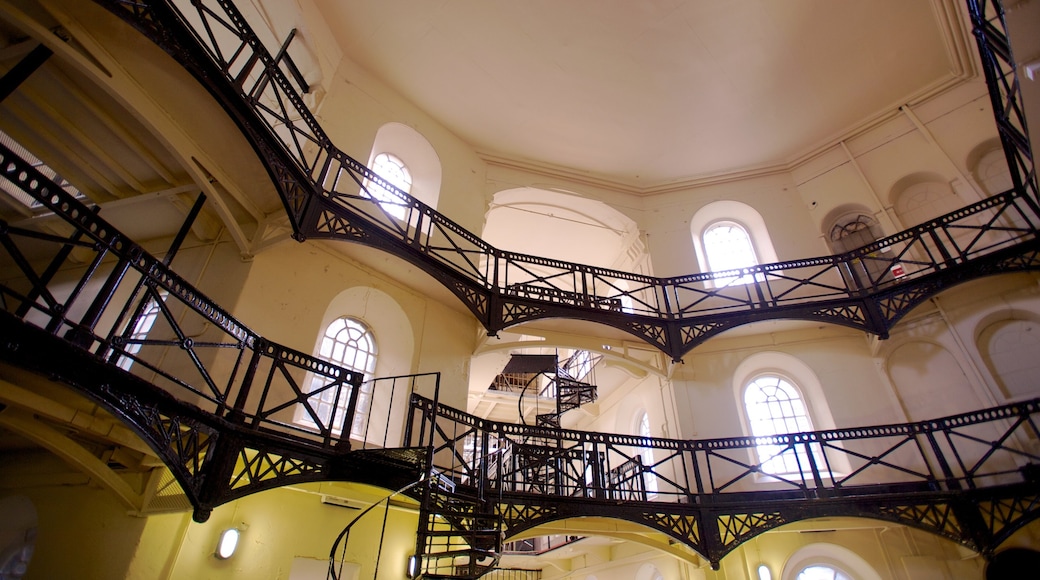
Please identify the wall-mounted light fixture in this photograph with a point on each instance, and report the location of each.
(227, 543)
(764, 573)
(413, 566)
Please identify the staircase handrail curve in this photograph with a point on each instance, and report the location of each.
(936, 440)
(108, 239)
(344, 535)
(682, 301)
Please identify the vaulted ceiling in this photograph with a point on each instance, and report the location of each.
(647, 93)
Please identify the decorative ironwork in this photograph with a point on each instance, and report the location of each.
(1004, 516)
(517, 517)
(734, 529)
(680, 526)
(916, 474)
(949, 475)
(217, 45)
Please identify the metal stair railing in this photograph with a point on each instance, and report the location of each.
(329, 194)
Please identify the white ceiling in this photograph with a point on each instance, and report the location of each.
(650, 92)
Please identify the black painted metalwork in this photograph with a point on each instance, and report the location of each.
(213, 398)
(328, 194)
(998, 64)
(13, 78)
(972, 478)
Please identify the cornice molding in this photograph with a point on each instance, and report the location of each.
(964, 69)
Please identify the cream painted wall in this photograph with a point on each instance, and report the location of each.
(290, 287)
(83, 533)
(277, 526)
(358, 104)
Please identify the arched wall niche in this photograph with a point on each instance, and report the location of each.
(929, 380)
(568, 227)
(988, 166)
(920, 197)
(418, 155)
(828, 554)
(1009, 344)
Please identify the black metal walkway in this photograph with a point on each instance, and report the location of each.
(217, 401)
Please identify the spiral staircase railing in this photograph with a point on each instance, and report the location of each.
(972, 478)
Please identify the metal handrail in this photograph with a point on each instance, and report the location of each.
(197, 352)
(332, 195)
(977, 449)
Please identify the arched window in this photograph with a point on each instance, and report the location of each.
(349, 343)
(822, 572)
(647, 456)
(729, 234)
(392, 169)
(728, 246)
(853, 231)
(143, 324)
(775, 406)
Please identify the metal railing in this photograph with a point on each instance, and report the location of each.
(94, 287)
(984, 448)
(330, 194)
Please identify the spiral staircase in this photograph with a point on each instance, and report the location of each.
(214, 409)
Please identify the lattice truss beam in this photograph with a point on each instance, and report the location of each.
(328, 194)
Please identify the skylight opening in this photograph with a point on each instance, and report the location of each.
(20, 196)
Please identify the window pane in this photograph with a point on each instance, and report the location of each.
(347, 343)
(396, 172)
(728, 247)
(775, 407)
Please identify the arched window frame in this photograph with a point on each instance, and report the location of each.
(416, 153)
(357, 352)
(811, 390)
(646, 454)
(832, 556)
(725, 255)
(394, 170)
(736, 212)
(822, 572)
(770, 414)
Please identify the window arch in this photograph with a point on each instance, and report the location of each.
(923, 199)
(728, 216)
(727, 246)
(990, 168)
(391, 168)
(1010, 347)
(413, 151)
(822, 572)
(816, 561)
(854, 229)
(775, 406)
(647, 455)
(347, 342)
